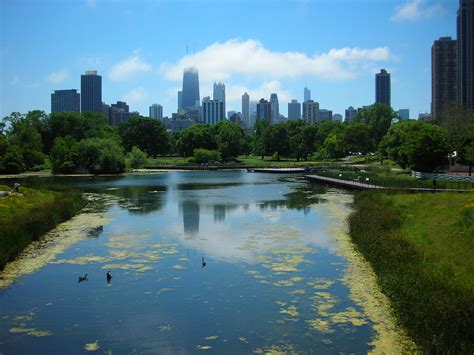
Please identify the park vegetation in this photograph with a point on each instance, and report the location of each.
(85, 143)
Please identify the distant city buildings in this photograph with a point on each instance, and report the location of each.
(404, 113)
(337, 117)
(156, 111)
(306, 94)
(180, 100)
(91, 92)
(219, 93)
(443, 74)
(190, 94)
(294, 110)
(311, 111)
(264, 110)
(246, 109)
(212, 111)
(424, 116)
(65, 101)
(382, 87)
(119, 112)
(351, 113)
(275, 108)
(325, 115)
(465, 53)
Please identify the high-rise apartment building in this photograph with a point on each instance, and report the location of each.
(190, 94)
(212, 111)
(91, 92)
(307, 94)
(156, 111)
(246, 109)
(264, 110)
(351, 112)
(275, 108)
(465, 53)
(219, 93)
(311, 111)
(294, 110)
(443, 74)
(65, 101)
(382, 87)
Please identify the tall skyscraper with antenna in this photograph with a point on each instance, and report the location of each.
(307, 94)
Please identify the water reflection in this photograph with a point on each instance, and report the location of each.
(190, 212)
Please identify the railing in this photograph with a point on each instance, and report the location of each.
(434, 176)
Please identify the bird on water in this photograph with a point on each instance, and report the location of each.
(109, 276)
(203, 262)
(82, 278)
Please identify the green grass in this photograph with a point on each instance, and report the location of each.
(24, 217)
(420, 246)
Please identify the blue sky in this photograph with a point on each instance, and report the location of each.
(139, 48)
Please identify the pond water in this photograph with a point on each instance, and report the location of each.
(279, 274)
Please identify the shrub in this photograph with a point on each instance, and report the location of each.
(202, 156)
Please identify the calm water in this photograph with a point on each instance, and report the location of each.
(272, 279)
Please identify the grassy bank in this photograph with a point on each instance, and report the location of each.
(420, 246)
(25, 216)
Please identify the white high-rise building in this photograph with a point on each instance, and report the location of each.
(219, 93)
(156, 111)
(307, 94)
(212, 111)
(275, 108)
(246, 109)
(311, 111)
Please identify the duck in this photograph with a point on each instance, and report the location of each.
(109, 276)
(83, 278)
(203, 262)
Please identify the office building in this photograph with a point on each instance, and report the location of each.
(404, 114)
(219, 93)
(180, 100)
(325, 115)
(382, 87)
(106, 110)
(307, 94)
(91, 92)
(465, 54)
(246, 109)
(351, 113)
(275, 108)
(65, 101)
(264, 110)
(311, 111)
(294, 110)
(337, 117)
(443, 74)
(119, 113)
(212, 111)
(190, 95)
(156, 111)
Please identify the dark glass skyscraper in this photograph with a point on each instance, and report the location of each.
(264, 110)
(190, 88)
(465, 51)
(91, 92)
(382, 87)
(65, 101)
(443, 74)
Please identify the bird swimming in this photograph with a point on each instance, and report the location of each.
(83, 278)
(203, 262)
(109, 276)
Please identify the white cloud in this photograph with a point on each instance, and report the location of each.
(237, 58)
(129, 68)
(135, 96)
(414, 10)
(57, 77)
(17, 81)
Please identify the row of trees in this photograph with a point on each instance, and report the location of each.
(86, 143)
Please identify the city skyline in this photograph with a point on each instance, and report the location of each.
(337, 63)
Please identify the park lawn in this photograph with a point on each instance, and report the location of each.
(27, 215)
(420, 247)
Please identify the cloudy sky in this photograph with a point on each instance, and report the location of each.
(266, 46)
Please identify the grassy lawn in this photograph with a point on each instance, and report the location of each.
(26, 215)
(420, 246)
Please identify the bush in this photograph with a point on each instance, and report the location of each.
(203, 156)
(135, 159)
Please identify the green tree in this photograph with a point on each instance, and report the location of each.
(228, 138)
(203, 156)
(148, 134)
(64, 155)
(325, 128)
(334, 146)
(100, 155)
(196, 136)
(378, 118)
(303, 141)
(465, 150)
(12, 161)
(357, 138)
(135, 159)
(261, 134)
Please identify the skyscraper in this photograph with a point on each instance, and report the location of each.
(311, 111)
(91, 92)
(246, 109)
(351, 112)
(443, 74)
(212, 111)
(404, 113)
(307, 94)
(382, 87)
(190, 88)
(275, 108)
(219, 93)
(294, 110)
(180, 100)
(65, 101)
(156, 111)
(264, 110)
(465, 53)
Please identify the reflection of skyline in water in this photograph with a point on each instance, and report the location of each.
(190, 211)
